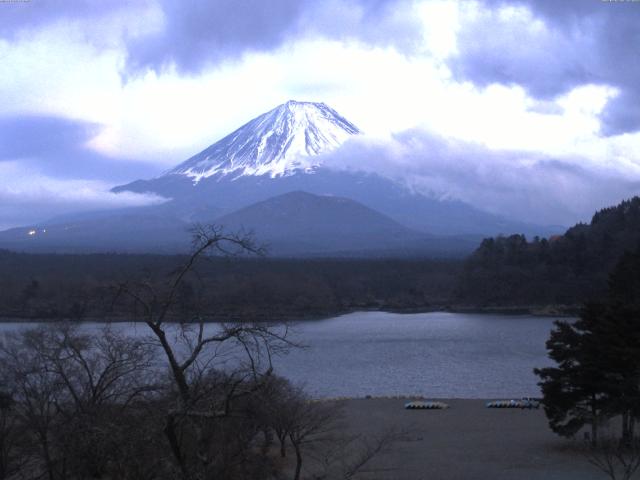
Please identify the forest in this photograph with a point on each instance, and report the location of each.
(180, 401)
(505, 273)
(563, 270)
(85, 287)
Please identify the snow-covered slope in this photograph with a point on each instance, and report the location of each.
(278, 143)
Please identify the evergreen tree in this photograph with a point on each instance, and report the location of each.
(574, 392)
(619, 332)
(598, 357)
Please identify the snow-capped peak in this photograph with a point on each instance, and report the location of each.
(277, 143)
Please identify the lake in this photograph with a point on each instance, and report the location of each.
(439, 355)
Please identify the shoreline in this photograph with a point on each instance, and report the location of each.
(560, 311)
(416, 397)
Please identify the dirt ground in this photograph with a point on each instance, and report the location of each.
(466, 442)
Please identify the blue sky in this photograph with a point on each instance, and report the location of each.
(525, 108)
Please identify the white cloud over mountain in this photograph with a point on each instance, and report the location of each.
(31, 197)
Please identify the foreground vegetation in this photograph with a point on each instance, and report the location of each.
(79, 406)
(597, 377)
(182, 401)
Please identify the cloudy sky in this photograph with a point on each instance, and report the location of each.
(529, 108)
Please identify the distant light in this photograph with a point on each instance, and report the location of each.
(32, 232)
(44, 230)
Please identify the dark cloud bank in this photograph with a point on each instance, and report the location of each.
(20, 16)
(57, 146)
(200, 34)
(585, 41)
(52, 150)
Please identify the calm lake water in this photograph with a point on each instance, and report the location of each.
(440, 355)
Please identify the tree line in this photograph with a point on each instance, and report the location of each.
(504, 272)
(561, 270)
(80, 287)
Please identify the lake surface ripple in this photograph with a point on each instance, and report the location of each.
(439, 355)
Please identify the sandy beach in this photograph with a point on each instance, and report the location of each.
(466, 442)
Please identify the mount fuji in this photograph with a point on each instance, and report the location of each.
(269, 176)
(285, 142)
(278, 143)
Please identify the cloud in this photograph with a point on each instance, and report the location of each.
(202, 33)
(198, 34)
(60, 146)
(622, 113)
(550, 47)
(193, 34)
(26, 136)
(18, 17)
(522, 185)
(547, 46)
(31, 197)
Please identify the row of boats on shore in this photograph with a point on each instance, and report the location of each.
(523, 403)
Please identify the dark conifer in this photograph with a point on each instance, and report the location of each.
(598, 357)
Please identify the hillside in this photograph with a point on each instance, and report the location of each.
(561, 270)
(300, 223)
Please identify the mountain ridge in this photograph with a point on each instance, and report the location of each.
(274, 154)
(300, 223)
(226, 190)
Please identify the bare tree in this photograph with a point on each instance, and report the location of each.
(191, 400)
(315, 430)
(36, 391)
(11, 460)
(311, 422)
(619, 460)
(71, 390)
(192, 350)
(346, 457)
(275, 403)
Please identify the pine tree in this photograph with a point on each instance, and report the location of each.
(598, 357)
(574, 392)
(619, 332)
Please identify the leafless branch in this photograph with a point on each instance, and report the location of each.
(617, 459)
